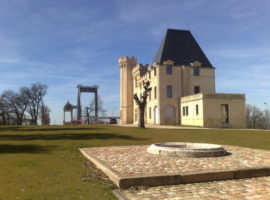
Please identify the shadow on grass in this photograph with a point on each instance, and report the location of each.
(21, 129)
(69, 136)
(8, 128)
(26, 148)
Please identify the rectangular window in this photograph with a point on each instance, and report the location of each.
(197, 109)
(196, 71)
(184, 111)
(169, 91)
(150, 95)
(196, 89)
(155, 92)
(155, 71)
(225, 113)
(168, 69)
(140, 86)
(150, 113)
(149, 74)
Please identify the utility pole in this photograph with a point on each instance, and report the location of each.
(267, 114)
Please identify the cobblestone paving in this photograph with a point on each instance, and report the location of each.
(244, 189)
(135, 161)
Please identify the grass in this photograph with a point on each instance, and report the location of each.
(44, 162)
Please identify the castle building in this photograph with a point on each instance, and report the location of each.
(183, 87)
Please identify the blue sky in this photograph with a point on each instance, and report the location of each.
(63, 43)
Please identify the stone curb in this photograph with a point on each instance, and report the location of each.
(112, 174)
(119, 195)
(191, 177)
(251, 173)
(156, 180)
(173, 179)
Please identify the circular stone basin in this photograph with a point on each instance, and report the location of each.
(182, 149)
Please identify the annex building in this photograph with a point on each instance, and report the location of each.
(183, 87)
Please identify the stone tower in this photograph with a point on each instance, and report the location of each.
(126, 65)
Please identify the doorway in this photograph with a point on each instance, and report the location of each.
(225, 113)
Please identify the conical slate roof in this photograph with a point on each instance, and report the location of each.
(180, 47)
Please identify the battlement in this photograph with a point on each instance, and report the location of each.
(127, 59)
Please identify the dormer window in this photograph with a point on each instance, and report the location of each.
(196, 71)
(168, 69)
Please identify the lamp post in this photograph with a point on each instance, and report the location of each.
(267, 114)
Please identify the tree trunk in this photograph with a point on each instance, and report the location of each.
(4, 118)
(141, 117)
(142, 103)
(19, 118)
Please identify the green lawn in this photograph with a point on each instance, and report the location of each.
(44, 162)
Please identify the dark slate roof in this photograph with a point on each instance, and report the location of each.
(180, 47)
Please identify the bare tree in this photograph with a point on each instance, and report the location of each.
(91, 107)
(142, 103)
(4, 111)
(255, 117)
(35, 95)
(10, 109)
(16, 104)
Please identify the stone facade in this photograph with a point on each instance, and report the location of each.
(126, 89)
(214, 110)
(161, 109)
(170, 81)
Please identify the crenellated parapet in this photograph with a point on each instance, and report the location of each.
(127, 61)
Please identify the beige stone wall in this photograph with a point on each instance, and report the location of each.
(212, 106)
(152, 101)
(174, 80)
(210, 114)
(126, 65)
(206, 80)
(183, 81)
(193, 119)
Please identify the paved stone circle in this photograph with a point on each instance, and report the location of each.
(185, 149)
(126, 165)
(128, 161)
